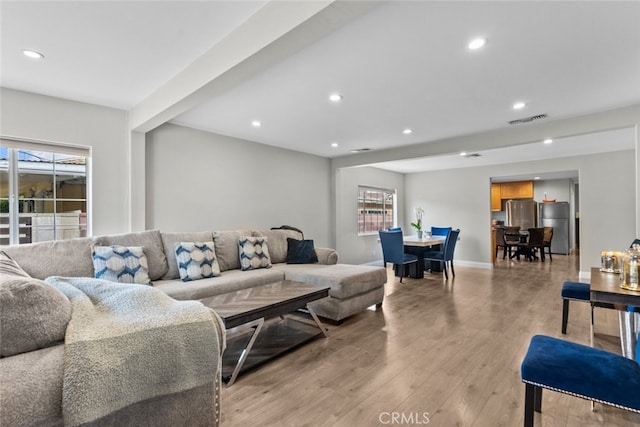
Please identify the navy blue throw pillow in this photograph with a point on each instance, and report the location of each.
(300, 251)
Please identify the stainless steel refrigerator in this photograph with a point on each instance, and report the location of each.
(523, 213)
(556, 215)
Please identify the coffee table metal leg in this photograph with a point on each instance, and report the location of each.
(315, 319)
(243, 356)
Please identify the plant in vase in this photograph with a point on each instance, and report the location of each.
(418, 224)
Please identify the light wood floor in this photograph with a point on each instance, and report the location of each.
(451, 349)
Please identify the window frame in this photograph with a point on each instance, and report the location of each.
(363, 213)
(13, 169)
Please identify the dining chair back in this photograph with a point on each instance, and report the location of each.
(445, 256)
(511, 239)
(440, 231)
(534, 242)
(450, 245)
(546, 241)
(393, 250)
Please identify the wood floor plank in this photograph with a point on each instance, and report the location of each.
(449, 348)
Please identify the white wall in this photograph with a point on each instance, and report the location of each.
(458, 198)
(461, 198)
(558, 189)
(197, 180)
(354, 249)
(43, 118)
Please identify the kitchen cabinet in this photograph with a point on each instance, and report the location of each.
(516, 190)
(496, 198)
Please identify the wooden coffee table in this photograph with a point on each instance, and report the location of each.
(264, 322)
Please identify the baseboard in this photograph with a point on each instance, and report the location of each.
(474, 264)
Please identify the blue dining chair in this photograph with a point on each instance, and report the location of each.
(393, 250)
(440, 231)
(446, 254)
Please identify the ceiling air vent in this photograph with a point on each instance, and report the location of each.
(527, 119)
(360, 150)
(473, 155)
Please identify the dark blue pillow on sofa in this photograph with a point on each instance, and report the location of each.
(300, 251)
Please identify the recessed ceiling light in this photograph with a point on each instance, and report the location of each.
(256, 123)
(407, 131)
(536, 177)
(519, 105)
(335, 97)
(464, 153)
(548, 141)
(32, 54)
(477, 43)
(334, 144)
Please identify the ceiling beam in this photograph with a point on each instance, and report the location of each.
(502, 138)
(276, 31)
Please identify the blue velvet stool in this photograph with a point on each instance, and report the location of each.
(578, 370)
(575, 291)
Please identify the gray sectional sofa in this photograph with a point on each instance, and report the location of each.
(353, 288)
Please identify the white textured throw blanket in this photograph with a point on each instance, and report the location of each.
(127, 344)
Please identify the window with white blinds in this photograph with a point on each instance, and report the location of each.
(44, 191)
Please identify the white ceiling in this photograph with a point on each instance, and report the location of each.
(401, 64)
(110, 53)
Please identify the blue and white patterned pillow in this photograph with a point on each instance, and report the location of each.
(121, 264)
(254, 253)
(196, 260)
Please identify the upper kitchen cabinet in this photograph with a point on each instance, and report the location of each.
(515, 190)
(496, 198)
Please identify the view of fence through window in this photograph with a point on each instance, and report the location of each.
(43, 195)
(376, 209)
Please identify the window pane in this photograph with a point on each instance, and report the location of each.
(51, 196)
(375, 210)
(4, 190)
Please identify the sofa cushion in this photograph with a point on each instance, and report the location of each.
(151, 242)
(33, 314)
(121, 264)
(171, 240)
(301, 252)
(196, 260)
(51, 258)
(10, 267)
(254, 253)
(344, 280)
(230, 280)
(278, 246)
(226, 243)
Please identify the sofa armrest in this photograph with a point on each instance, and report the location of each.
(327, 256)
(220, 329)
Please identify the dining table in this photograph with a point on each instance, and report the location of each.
(605, 289)
(419, 246)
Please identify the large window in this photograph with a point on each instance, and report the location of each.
(376, 209)
(43, 192)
